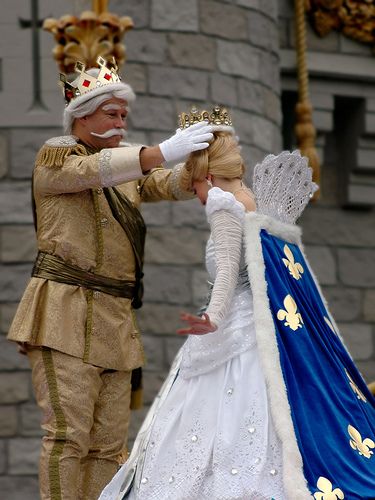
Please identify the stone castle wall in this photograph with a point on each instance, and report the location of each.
(180, 53)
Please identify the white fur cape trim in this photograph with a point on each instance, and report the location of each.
(295, 484)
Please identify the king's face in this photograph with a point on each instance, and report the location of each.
(106, 127)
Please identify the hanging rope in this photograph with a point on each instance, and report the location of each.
(304, 127)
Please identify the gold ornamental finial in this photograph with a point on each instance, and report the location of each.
(94, 33)
(217, 116)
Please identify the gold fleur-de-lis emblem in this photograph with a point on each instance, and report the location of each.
(361, 445)
(355, 389)
(326, 490)
(293, 318)
(295, 268)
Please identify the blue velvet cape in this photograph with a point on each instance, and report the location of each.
(332, 410)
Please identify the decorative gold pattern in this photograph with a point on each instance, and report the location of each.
(361, 445)
(295, 268)
(218, 116)
(326, 490)
(293, 318)
(357, 392)
(85, 38)
(354, 18)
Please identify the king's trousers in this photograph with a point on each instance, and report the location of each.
(85, 415)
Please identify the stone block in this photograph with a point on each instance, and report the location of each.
(270, 8)
(154, 352)
(356, 267)
(270, 70)
(272, 106)
(10, 358)
(13, 280)
(17, 244)
(223, 89)
(366, 159)
(138, 10)
(136, 76)
(329, 43)
(7, 312)
(322, 101)
(167, 81)
(344, 303)
(264, 133)
(136, 136)
(347, 228)
(31, 420)
(367, 369)
(167, 284)
(171, 245)
(24, 145)
(349, 46)
(159, 319)
(237, 58)
(358, 339)
(8, 422)
(174, 15)
(153, 113)
(370, 104)
(173, 345)
(225, 21)
(3, 458)
(250, 95)
(193, 51)
(250, 4)
(189, 213)
(146, 47)
(4, 159)
(15, 203)
(157, 214)
(369, 306)
(370, 123)
(322, 262)
(323, 120)
(361, 194)
(19, 488)
(152, 384)
(24, 456)
(244, 127)
(200, 287)
(263, 31)
(14, 387)
(283, 33)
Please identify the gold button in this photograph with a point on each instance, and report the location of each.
(133, 335)
(96, 294)
(104, 221)
(139, 189)
(99, 191)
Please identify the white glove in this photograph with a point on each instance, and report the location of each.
(186, 141)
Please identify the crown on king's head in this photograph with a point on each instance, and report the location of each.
(218, 116)
(85, 82)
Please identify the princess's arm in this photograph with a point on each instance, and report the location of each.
(225, 216)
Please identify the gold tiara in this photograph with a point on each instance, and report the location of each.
(218, 116)
(86, 82)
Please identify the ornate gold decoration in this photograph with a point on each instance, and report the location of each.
(293, 318)
(361, 445)
(95, 33)
(218, 116)
(86, 83)
(326, 490)
(304, 127)
(354, 18)
(355, 389)
(295, 268)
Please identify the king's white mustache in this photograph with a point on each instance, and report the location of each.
(110, 133)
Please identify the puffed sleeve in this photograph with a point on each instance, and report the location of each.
(225, 215)
(65, 167)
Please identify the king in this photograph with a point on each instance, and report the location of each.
(76, 320)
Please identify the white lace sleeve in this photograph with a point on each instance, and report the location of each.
(226, 218)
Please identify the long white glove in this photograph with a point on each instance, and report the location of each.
(186, 141)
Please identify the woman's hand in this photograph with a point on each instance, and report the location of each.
(198, 325)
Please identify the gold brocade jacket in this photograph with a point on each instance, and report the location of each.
(76, 224)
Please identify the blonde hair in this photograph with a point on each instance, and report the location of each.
(222, 159)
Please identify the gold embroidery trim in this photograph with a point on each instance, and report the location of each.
(60, 437)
